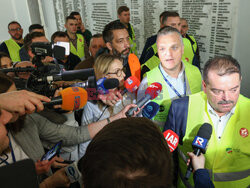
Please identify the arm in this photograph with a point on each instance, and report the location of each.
(22, 102)
(201, 175)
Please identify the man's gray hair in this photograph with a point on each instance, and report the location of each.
(168, 30)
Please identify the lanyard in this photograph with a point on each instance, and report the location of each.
(172, 87)
(12, 153)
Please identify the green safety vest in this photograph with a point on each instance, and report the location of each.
(80, 47)
(188, 54)
(193, 81)
(227, 160)
(13, 48)
(132, 42)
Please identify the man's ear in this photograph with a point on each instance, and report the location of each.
(204, 86)
(109, 46)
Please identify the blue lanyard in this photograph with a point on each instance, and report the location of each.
(172, 87)
(12, 153)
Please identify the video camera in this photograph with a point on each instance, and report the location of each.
(42, 77)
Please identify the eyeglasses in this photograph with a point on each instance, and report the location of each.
(118, 72)
(17, 29)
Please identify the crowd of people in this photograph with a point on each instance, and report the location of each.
(110, 148)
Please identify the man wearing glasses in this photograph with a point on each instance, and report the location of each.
(13, 45)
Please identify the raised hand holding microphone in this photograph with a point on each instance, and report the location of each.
(199, 144)
(151, 92)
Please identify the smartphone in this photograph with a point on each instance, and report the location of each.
(55, 150)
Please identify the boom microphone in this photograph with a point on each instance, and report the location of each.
(71, 99)
(172, 139)
(151, 92)
(19, 69)
(81, 74)
(131, 85)
(199, 144)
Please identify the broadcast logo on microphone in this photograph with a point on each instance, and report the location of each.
(172, 139)
(200, 142)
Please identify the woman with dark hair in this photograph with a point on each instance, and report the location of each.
(5, 61)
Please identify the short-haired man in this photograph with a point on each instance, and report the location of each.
(116, 37)
(24, 56)
(70, 60)
(96, 43)
(195, 48)
(78, 45)
(13, 45)
(124, 17)
(81, 28)
(221, 105)
(178, 78)
(151, 59)
(144, 160)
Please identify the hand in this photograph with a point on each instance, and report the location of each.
(122, 114)
(22, 102)
(42, 167)
(198, 162)
(58, 162)
(58, 179)
(111, 98)
(47, 59)
(56, 94)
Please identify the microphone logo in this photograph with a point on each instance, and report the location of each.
(75, 89)
(77, 102)
(200, 142)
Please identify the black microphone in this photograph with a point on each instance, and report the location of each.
(81, 74)
(19, 69)
(199, 144)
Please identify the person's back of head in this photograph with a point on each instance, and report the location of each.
(129, 152)
(36, 28)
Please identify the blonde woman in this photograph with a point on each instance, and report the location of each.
(108, 66)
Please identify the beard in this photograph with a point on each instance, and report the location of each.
(16, 38)
(120, 54)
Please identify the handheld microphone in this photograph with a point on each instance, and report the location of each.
(199, 144)
(172, 139)
(104, 84)
(73, 173)
(81, 74)
(151, 92)
(131, 85)
(150, 110)
(71, 99)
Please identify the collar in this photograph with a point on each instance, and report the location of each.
(168, 76)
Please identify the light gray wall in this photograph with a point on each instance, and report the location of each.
(242, 45)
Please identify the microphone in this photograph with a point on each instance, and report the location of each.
(71, 99)
(150, 110)
(151, 92)
(73, 173)
(199, 144)
(131, 85)
(172, 139)
(19, 69)
(104, 84)
(90, 83)
(81, 74)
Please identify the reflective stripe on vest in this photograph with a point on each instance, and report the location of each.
(134, 65)
(228, 158)
(80, 47)
(132, 42)
(13, 49)
(193, 77)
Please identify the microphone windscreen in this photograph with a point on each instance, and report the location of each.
(154, 90)
(172, 139)
(131, 84)
(150, 110)
(111, 83)
(205, 131)
(73, 98)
